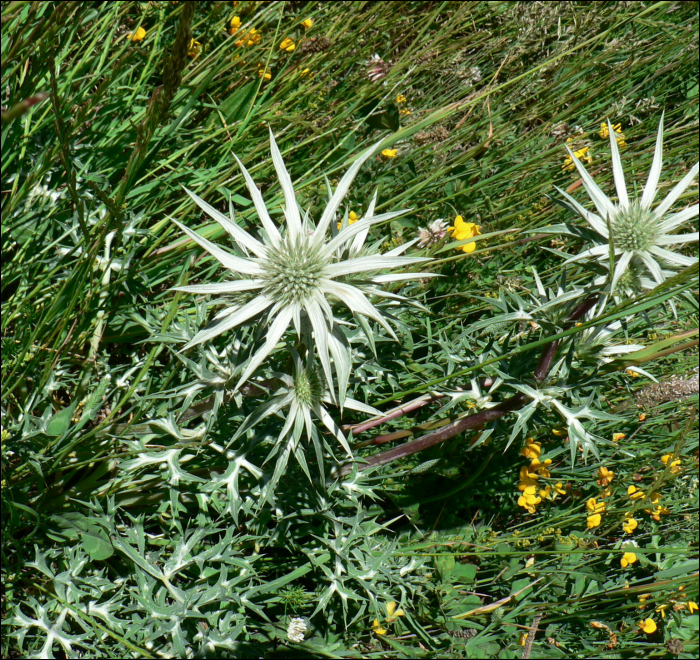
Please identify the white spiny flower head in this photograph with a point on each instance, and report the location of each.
(640, 235)
(304, 393)
(302, 396)
(293, 273)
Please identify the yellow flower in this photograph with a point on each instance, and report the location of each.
(642, 417)
(658, 512)
(661, 609)
(618, 436)
(546, 493)
(307, 23)
(234, 25)
(400, 99)
(604, 132)
(250, 38)
(541, 468)
(581, 154)
(527, 479)
(531, 449)
(288, 44)
(643, 601)
(305, 73)
(605, 476)
(529, 499)
(264, 74)
(392, 612)
(377, 628)
(632, 374)
(389, 153)
(627, 559)
(692, 606)
(522, 639)
(404, 112)
(630, 525)
(621, 142)
(194, 49)
(595, 507)
(352, 219)
(560, 433)
(139, 35)
(675, 465)
(593, 520)
(560, 488)
(635, 494)
(464, 230)
(648, 626)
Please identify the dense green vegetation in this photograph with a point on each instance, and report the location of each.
(141, 515)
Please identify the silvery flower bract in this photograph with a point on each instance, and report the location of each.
(296, 274)
(640, 235)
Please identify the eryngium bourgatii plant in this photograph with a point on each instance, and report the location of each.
(294, 273)
(639, 234)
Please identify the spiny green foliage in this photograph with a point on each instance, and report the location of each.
(139, 521)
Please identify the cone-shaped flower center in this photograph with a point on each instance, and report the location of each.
(631, 278)
(634, 229)
(308, 387)
(292, 273)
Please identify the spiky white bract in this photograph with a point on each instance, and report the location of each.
(598, 344)
(294, 274)
(303, 395)
(641, 236)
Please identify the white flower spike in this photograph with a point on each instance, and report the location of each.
(294, 275)
(640, 234)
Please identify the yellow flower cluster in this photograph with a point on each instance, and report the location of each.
(628, 559)
(250, 38)
(619, 135)
(391, 615)
(595, 511)
(194, 49)
(529, 476)
(674, 466)
(352, 219)
(605, 476)
(634, 493)
(234, 25)
(656, 510)
(287, 45)
(464, 230)
(401, 102)
(678, 602)
(581, 154)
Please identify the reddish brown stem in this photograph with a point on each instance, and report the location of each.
(481, 418)
(401, 410)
